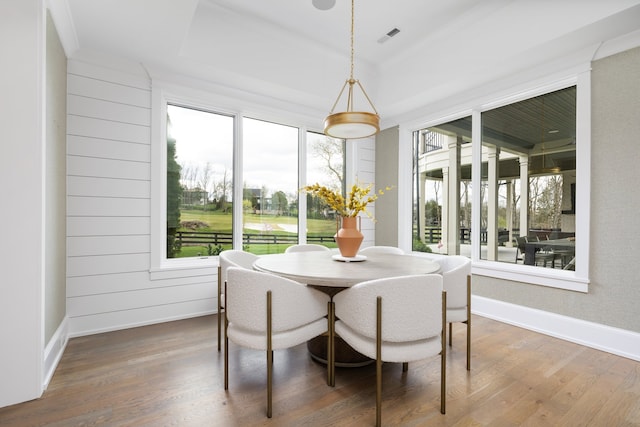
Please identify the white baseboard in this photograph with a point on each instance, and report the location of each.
(606, 338)
(80, 329)
(54, 350)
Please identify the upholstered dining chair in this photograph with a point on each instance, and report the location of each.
(230, 258)
(306, 247)
(397, 319)
(381, 250)
(456, 276)
(269, 312)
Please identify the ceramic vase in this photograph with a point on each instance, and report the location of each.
(348, 236)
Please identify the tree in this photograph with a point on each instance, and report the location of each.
(203, 179)
(174, 194)
(330, 151)
(279, 202)
(221, 189)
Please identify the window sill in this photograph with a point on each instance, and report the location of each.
(191, 267)
(560, 279)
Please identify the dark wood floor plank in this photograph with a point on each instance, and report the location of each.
(172, 375)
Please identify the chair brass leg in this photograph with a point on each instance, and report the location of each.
(331, 352)
(443, 356)
(468, 322)
(219, 305)
(450, 333)
(226, 345)
(269, 358)
(379, 362)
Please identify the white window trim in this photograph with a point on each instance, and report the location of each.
(163, 93)
(160, 266)
(577, 280)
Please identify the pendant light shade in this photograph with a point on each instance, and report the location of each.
(351, 124)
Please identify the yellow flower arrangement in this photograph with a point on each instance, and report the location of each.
(356, 202)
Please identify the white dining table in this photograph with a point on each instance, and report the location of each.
(322, 269)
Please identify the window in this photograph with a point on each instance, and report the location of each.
(442, 189)
(199, 182)
(270, 186)
(224, 181)
(528, 163)
(528, 181)
(325, 166)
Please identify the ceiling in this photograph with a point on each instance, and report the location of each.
(291, 53)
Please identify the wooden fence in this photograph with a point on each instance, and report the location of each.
(203, 238)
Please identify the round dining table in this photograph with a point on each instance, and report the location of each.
(328, 272)
(329, 269)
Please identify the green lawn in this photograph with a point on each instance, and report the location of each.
(221, 222)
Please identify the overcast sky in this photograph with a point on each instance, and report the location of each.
(270, 150)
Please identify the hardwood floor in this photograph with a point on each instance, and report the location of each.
(172, 375)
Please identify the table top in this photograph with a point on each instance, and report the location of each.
(567, 242)
(321, 269)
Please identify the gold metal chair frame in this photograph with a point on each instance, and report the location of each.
(269, 353)
(220, 307)
(468, 323)
(405, 365)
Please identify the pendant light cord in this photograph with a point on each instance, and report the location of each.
(352, 26)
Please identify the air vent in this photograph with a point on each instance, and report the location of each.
(388, 35)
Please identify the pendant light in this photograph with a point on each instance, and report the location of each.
(351, 124)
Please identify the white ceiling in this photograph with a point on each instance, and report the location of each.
(289, 51)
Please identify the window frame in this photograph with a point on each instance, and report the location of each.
(577, 280)
(164, 93)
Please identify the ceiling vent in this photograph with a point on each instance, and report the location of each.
(388, 35)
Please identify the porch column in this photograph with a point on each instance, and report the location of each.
(422, 211)
(453, 188)
(524, 195)
(510, 201)
(444, 223)
(493, 157)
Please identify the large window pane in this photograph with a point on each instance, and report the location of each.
(325, 166)
(528, 177)
(270, 187)
(442, 188)
(199, 182)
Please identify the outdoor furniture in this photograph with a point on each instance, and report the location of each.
(547, 247)
(520, 248)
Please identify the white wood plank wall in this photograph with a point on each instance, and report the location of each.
(108, 210)
(365, 173)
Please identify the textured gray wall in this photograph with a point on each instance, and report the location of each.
(387, 175)
(55, 229)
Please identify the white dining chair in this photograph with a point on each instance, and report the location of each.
(269, 312)
(392, 250)
(306, 247)
(456, 275)
(398, 319)
(227, 259)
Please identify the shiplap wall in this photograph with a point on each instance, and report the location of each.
(108, 210)
(364, 172)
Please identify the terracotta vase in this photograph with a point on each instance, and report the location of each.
(349, 236)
